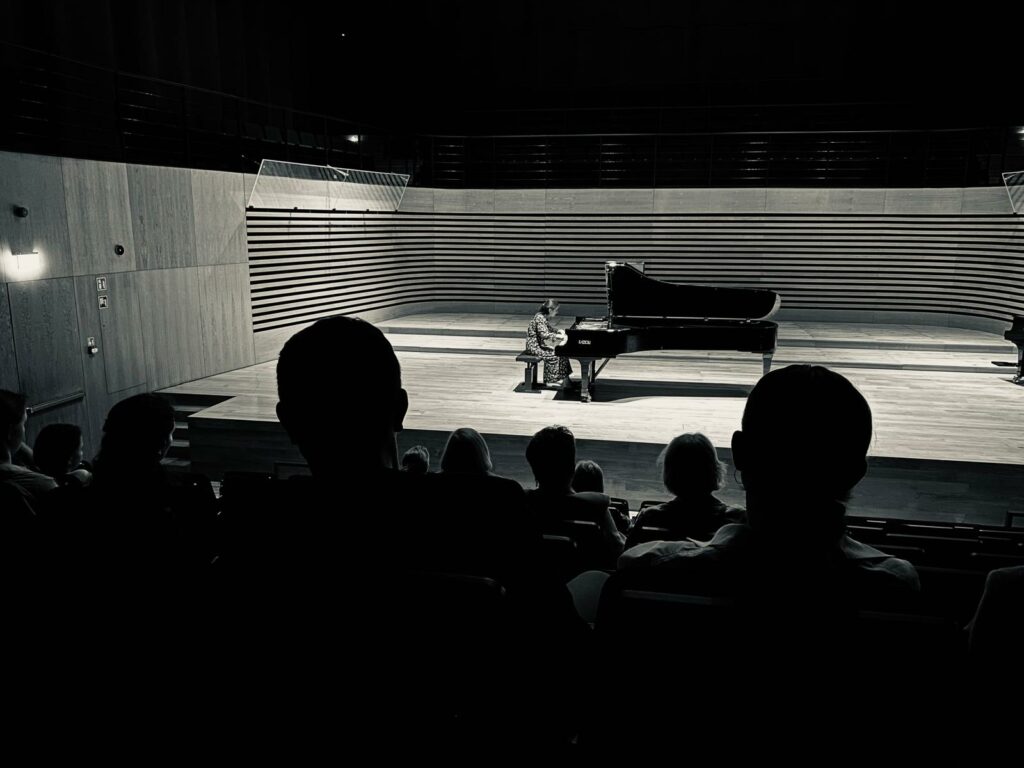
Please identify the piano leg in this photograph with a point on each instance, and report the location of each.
(1019, 378)
(766, 360)
(585, 368)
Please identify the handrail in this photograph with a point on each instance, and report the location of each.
(49, 405)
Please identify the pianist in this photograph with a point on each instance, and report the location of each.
(542, 338)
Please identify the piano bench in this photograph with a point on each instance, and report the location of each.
(530, 374)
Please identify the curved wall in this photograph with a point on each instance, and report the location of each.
(942, 256)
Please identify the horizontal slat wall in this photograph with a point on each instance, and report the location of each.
(307, 265)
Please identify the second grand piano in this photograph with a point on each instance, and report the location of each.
(648, 314)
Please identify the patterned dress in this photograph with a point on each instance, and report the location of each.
(540, 341)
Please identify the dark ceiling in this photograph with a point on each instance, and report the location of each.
(437, 65)
(525, 92)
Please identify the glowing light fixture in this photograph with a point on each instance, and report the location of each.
(27, 265)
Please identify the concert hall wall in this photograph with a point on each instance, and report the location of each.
(176, 298)
(946, 256)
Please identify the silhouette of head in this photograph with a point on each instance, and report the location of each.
(58, 449)
(12, 420)
(466, 451)
(416, 460)
(806, 433)
(136, 434)
(588, 477)
(690, 466)
(552, 456)
(340, 393)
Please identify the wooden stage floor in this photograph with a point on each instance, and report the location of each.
(949, 425)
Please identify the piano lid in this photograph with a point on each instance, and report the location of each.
(633, 294)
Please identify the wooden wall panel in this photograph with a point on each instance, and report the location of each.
(99, 394)
(682, 200)
(45, 325)
(797, 200)
(218, 202)
(37, 183)
(99, 216)
(8, 360)
(120, 363)
(943, 201)
(856, 201)
(417, 200)
(844, 253)
(162, 217)
(519, 200)
(171, 326)
(93, 371)
(121, 337)
(69, 413)
(450, 200)
(986, 200)
(737, 200)
(611, 201)
(226, 317)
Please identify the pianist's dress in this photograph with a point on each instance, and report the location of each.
(541, 341)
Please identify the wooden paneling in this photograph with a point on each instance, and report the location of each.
(797, 200)
(124, 359)
(99, 216)
(825, 201)
(462, 201)
(45, 324)
(518, 200)
(986, 200)
(121, 323)
(737, 200)
(8, 360)
(171, 325)
(226, 317)
(117, 329)
(856, 201)
(219, 207)
(450, 200)
(94, 373)
(70, 413)
(945, 201)
(599, 201)
(36, 183)
(162, 219)
(417, 199)
(860, 262)
(682, 200)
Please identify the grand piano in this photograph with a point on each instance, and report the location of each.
(648, 314)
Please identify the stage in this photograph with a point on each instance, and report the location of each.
(949, 425)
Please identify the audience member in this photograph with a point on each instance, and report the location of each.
(58, 452)
(466, 451)
(802, 448)
(588, 476)
(135, 517)
(551, 454)
(691, 472)
(13, 416)
(997, 630)
(375, 528)
(416, 460)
